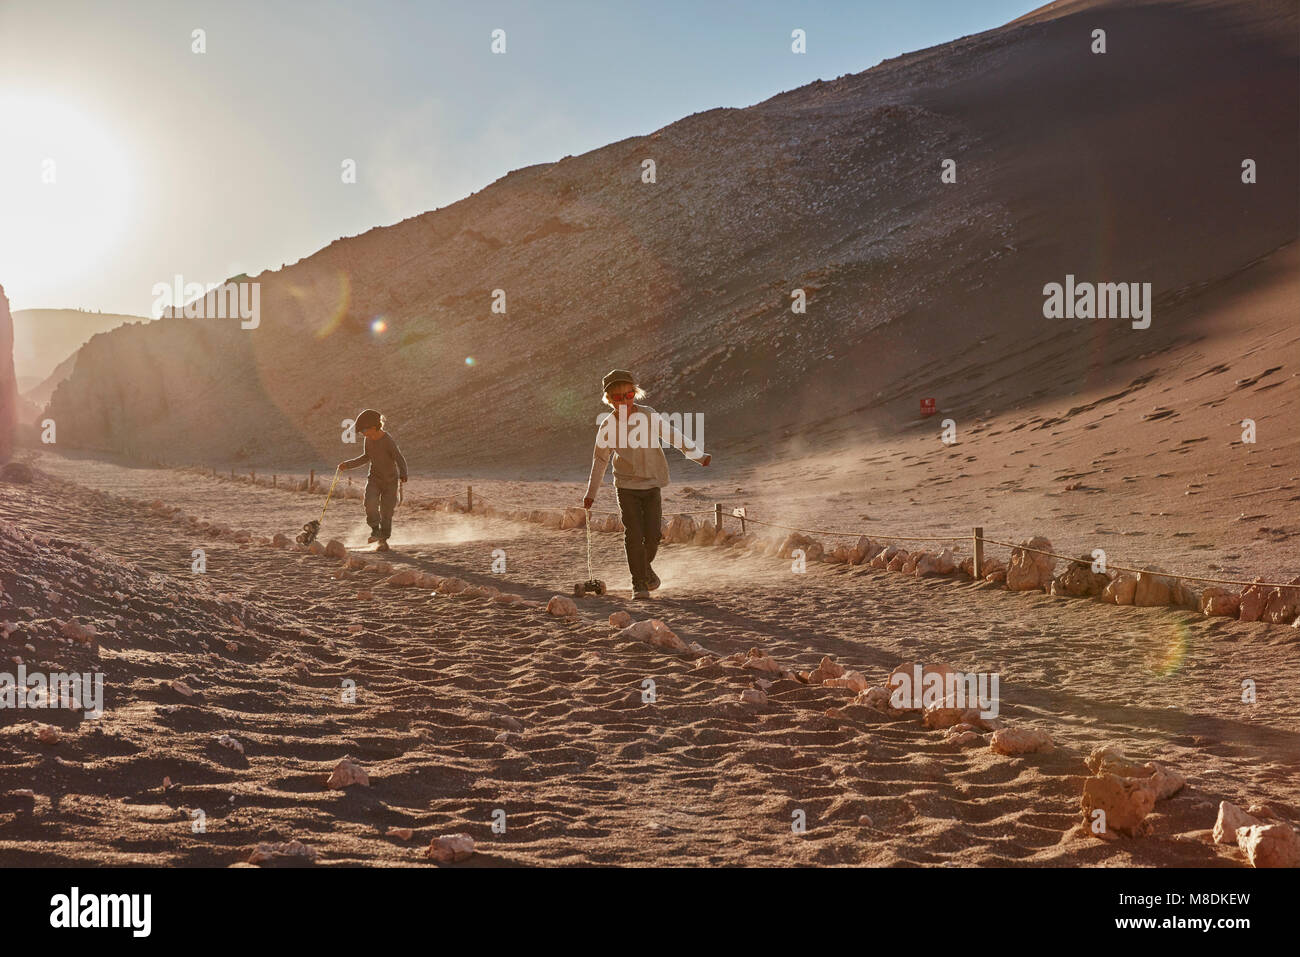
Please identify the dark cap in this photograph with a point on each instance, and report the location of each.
(369, 419)
(616, 376)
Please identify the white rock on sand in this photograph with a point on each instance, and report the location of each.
(561, 606)
(1121, 589)
(1270, 845)
(942, 563)
(877, 698)
(1282, 605)
(1154, 588)
(904, 683)
(1124, 801)
(451, 848)
(827, 669)
(289, 851)
(759, 661)
(226, 741)
(1229, 820)
(754, 696)
(509, 722)
(1155, 777)
(347, 773)
(655, 632)
(78, 632)
(945, 714)
(1020, 741)
(1216, 601)
(852, 680)
(1028, 570)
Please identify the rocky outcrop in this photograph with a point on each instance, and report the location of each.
(1079, 580)
(1031, 570)
(8, 382)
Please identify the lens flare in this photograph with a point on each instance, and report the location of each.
(378, 326)
(470, 361)
(333, 305)
(1175, 652)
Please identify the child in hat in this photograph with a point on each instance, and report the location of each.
(387, 469)
(630, 436)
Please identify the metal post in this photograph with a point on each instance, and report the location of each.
(979, 551)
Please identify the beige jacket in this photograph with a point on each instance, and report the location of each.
(633, 444)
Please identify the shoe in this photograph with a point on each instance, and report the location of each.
(653, 581)
(372, 539)
(382, 546)
(640, 591)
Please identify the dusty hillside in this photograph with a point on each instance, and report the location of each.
(45, 338)
(1122, 167)
(36, 396)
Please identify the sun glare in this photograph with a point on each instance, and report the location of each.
(65, 188)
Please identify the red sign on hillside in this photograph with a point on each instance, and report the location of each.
(927, 406)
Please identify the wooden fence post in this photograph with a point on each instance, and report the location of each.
(979, 552)
(469, 497)
(717, 517)
(311, 481)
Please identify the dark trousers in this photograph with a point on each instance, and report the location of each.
(642, 517)
(381, 499)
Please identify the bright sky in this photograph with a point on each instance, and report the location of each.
(167, 161)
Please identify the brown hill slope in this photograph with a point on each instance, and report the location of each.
(1117, 167)
(44, 338)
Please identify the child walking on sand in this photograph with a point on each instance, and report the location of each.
(630, 435)
(387, 469)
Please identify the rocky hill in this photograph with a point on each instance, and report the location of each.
(45, 338)
(1117, 167)
(8, 382)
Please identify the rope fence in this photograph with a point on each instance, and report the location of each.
(719, 513)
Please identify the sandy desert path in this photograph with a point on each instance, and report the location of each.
(469, 711)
